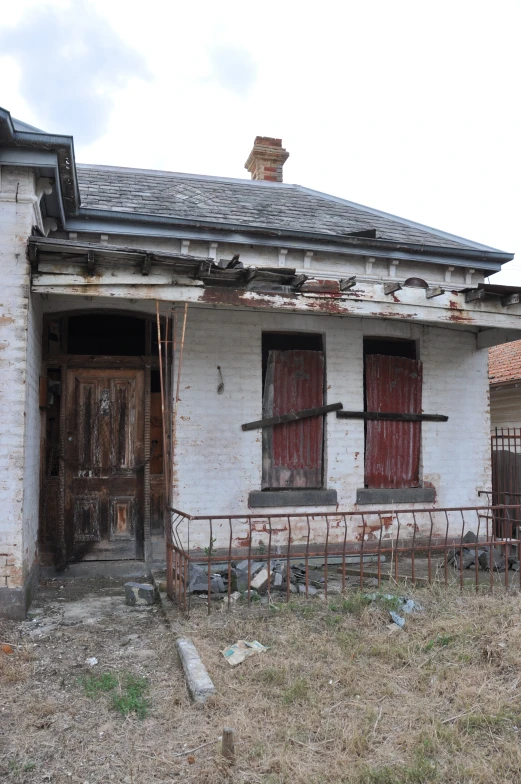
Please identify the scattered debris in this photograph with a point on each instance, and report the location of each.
(91, 661)
(258, 578)
(241, 650)
(139, 594)
(405, 606)
(6, 648)
(488, 559)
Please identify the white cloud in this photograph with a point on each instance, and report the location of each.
(409, 107)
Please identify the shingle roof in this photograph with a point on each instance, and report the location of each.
(504, 362)
(248, 203)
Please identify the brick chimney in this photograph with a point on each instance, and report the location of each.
(266, 159)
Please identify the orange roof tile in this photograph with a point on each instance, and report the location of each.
(504, 362)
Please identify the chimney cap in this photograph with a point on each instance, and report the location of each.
(266, 159)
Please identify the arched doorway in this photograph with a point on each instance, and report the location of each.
(102, 489)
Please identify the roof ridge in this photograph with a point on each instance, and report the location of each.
(405, 221)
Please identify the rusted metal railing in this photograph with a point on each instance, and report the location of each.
(421, 545)
(506, 468)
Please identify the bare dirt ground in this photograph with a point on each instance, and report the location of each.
(340, 696)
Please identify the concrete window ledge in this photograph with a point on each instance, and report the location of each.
(267, 498)
(404, 495)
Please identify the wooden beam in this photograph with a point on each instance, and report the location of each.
(147, 263)
(511, 299)
(292, 417)
(248, 274)
(347, 283)
(298, 281)
(390, 288)
(475, 294)
(393, 417)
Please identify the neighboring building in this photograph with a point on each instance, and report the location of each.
(329, 302)
(504, 371)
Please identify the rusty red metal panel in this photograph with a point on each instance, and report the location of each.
(392, 451)
(293, 450)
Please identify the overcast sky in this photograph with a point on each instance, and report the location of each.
(412, 107)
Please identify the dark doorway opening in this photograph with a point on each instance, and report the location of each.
(106, 335)
(390, 347)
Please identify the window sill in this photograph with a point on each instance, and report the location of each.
(404, 495)
(274, 498)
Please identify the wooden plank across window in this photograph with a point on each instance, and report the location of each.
(292, 416)
(392, 416)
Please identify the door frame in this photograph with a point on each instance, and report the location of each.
(62, 361)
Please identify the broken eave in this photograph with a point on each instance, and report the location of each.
(75, 268)
(363, 243)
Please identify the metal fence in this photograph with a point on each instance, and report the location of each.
(506, 472)
(423, 546)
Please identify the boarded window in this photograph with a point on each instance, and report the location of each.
(392, 451)
(292, 452)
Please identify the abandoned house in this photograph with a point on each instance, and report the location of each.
(156, 326)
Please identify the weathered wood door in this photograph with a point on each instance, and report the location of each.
(104, 464)
(292, 452)
(392, 450)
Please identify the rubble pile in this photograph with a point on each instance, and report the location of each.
(259, 577)
(489, 558)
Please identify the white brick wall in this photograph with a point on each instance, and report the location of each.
(18, 429)
(217, 464)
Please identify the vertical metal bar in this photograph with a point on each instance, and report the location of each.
(210, 550)
(344, 555)
(379, 567)
(397, 546)
(362, 555)
(429, 559)
(230, 543)
(186, 595)
(288, 562)
(250, 534)
(446, 566)
(413, 575)
(476, 557)
(326, 560)
(307, 554)
(269, 561)
(490, 536)
(461, 552)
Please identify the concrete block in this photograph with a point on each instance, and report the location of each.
(260, 581)
(198, 681)
(140, 594)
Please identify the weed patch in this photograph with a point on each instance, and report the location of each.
(128, 693)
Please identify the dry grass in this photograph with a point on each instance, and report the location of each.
(339, 698)
(336, 698)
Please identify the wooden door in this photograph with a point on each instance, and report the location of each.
(292, 452)
(392, 448)
(104, 464)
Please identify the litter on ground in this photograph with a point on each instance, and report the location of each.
(241, 650)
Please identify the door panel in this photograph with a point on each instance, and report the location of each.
(104, 464)
(292, 452)
(392, 451)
